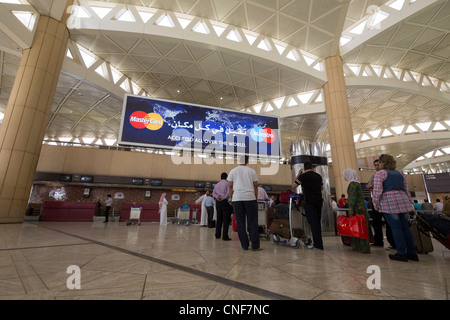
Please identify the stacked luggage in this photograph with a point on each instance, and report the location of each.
(280, 225)
(287, 225)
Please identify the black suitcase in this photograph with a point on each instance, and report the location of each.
(282, 211)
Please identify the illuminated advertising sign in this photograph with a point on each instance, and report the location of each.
(158, 123)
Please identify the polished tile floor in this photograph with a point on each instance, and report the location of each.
(152, 262)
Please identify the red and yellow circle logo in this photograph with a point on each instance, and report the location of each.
(151, 121)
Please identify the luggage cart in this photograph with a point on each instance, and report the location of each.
(183, 216)
(263, 217)
(135, 216)
(296, 223)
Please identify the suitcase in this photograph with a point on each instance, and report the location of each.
(281, 228)
(284, 196)
(282, 211)
(422, 238)
(234, 224)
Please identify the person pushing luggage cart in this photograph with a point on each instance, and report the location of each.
(312, 185)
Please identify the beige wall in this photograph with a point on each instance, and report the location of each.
(80, 160)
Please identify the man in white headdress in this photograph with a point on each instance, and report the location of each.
(204, 214)
(163, 210)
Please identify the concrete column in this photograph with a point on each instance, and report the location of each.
(339, 123)
(27, 115)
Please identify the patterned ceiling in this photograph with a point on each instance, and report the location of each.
(207, 70)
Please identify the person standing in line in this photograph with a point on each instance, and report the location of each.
(427, 207)
(356, 205)
(391, 197)
(262, 194)
(312, 185)
(243, 189)
(377, 217)
(204, 213)
(438, 206)
(417, 206)
(163, 210)
(108, 204)
(209, 204)
(342, 202)
(223, 207)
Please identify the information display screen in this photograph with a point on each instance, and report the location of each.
(157, 123)
(437, 182)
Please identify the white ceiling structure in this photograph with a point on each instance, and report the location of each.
(258, 56)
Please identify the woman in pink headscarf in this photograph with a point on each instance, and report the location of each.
(163, 210)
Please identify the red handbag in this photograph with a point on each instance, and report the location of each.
(354, 227)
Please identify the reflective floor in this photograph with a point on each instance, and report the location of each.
(152, 262)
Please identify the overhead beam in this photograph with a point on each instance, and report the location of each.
(395, 17)
(13, 28)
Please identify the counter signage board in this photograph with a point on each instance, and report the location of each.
(437, 182)
(156, 123)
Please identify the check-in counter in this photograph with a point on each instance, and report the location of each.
(68, 211)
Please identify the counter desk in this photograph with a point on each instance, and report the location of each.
(68, 211)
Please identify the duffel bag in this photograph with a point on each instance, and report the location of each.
(280, 227)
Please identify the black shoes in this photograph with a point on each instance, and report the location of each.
(404, 258)
(398, 257)
(413, 257)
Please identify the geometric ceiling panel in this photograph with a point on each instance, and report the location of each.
(178, 64)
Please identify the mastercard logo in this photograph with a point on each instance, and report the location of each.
(142, 120)
(259, 134)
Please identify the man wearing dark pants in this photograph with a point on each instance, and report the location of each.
(223, 207)
(108, 204)
(377, 217)
(243, 188)
(209, 204)
(312, 185)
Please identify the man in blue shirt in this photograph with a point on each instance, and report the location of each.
(209, 204)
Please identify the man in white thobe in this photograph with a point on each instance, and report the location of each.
(204, 214)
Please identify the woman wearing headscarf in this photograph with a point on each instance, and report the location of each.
(163, 210)
(391, 197)
(356, 205)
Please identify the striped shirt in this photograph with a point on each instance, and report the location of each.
(394, 201)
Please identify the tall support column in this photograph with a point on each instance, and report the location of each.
(27, 114)
(339, 123)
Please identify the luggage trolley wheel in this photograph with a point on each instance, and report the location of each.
(292, 242)
(276, 238)
(307, 240)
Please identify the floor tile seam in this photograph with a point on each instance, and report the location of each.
(232, 283)
(44, 247)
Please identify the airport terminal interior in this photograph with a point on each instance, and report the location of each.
(96, 98)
